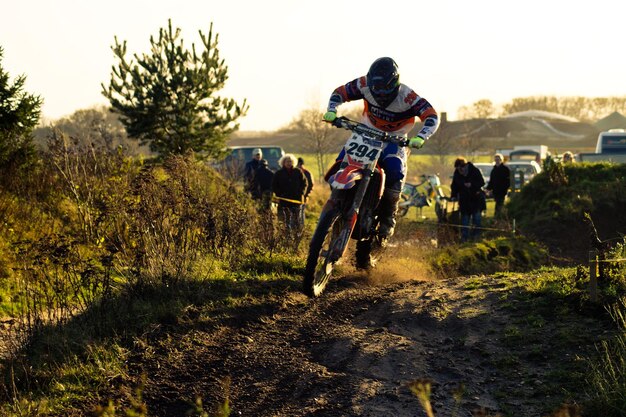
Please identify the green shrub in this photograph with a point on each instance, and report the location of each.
(179, 213)
(488, 256)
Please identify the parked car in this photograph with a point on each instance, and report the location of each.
(535, 153)
(233, 164)
(522, 172)
(485, 169)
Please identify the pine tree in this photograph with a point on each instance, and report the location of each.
(167, 98)
(19, 114)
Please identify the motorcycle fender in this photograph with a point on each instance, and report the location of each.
(346, 178)
(345, 236)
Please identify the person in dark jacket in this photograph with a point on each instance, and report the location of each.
(467, 183)
(499, 182)
(289, 186)
(249, 171)
(263, 184)
(309, 187)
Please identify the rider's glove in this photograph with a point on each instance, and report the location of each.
(330, 116)
(416, 142)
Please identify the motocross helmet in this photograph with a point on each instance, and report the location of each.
(383, 80)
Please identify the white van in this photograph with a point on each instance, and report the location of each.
(611, 147)
(612, 142)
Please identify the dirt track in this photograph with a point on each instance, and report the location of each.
(353, 352)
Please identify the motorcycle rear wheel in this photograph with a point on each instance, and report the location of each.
(319, 264)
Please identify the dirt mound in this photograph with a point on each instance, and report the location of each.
(552, 207)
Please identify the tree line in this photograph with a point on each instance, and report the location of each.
(584, 109)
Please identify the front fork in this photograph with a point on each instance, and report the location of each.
(339, 244)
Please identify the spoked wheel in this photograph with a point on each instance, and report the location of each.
(319, 264)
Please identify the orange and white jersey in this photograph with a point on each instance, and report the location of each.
(397, 118)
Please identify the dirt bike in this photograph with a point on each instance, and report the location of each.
(412, 197)
(350, 212)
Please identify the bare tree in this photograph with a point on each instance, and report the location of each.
(465, 137)
(471, 144)
(481, 109)
(441, 144)
(320, 137)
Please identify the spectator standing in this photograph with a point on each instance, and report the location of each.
(499, 182)
(567, 157)
(467, 183)
(263, 177)
(250, 170)
(289, 186)
(309, 188)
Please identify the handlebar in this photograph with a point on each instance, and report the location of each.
(345, 123)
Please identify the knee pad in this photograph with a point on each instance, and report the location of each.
(394, 169)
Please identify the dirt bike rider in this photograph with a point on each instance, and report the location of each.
(389, 106)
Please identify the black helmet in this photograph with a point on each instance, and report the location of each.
(383, 80)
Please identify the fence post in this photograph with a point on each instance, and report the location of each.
(593, 275)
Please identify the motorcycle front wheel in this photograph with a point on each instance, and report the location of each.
(319, 264)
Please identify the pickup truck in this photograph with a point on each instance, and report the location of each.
(232, 166)
(611, 147)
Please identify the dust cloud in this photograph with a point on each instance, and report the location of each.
(400, 262)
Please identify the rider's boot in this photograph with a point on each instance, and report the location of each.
(387, 209)
(363, 255)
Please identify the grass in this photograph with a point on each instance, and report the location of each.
(607, 380)
(80, 379)
(7, 299)
(83, 361)
(488, 256)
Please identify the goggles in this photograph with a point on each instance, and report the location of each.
(383, 90)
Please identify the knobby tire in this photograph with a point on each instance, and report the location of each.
(318, 270)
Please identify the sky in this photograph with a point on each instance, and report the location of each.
(287, 55)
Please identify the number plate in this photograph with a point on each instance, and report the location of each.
(363, 149)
